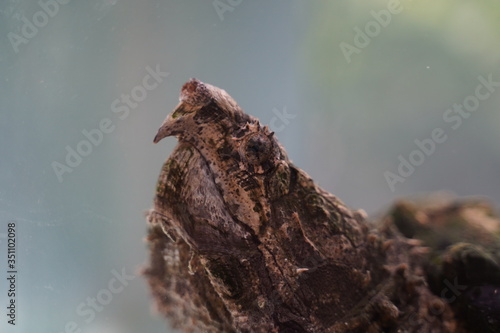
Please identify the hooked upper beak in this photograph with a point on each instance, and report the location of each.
(194, 95)
(166, 129)
(175, 123)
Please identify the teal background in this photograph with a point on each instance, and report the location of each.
(352, 121)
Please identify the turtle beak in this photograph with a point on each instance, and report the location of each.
(194, 96)
(174, 123)
(166, 129)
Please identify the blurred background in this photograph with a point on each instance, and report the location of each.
(356, 91)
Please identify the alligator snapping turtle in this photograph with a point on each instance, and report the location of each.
(242, 240)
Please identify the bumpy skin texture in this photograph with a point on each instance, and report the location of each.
(463, 265)
(242, 240)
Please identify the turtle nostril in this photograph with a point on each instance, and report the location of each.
(190, 86)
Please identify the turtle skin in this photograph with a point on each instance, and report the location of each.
(463, 267)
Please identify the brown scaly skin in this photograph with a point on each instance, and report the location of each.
(244, 241)
(463, 265)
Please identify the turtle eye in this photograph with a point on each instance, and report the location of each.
(256, 148)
